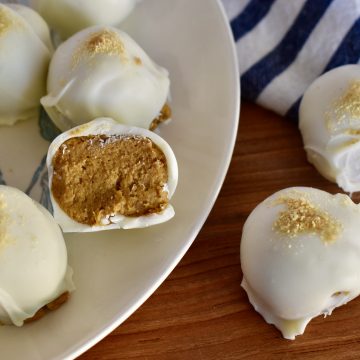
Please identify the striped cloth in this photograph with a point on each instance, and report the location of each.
(284, 45)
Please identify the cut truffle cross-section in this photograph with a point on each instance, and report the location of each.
(97, 175)
(104, 175)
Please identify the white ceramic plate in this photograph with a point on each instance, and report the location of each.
(116, 271)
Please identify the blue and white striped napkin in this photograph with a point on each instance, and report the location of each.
(284, 45)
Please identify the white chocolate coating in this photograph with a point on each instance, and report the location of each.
(106, 126)
(330, 126)
(292, 279)
(33, 257)
(70, 16)
(25, 51)
(102, 72)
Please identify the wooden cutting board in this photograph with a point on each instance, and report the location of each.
(200, 311)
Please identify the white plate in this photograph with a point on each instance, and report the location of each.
(116, 271)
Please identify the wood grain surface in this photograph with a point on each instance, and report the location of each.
(200, 311)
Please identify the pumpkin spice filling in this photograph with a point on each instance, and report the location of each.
(98, 176)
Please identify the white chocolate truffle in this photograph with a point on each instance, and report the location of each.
(78, 172)
(33, 267)
(68, 17)
(25, 54)
(330, 126)
(102, 72)
(300, 256)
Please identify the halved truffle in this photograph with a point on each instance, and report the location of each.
(104, 175)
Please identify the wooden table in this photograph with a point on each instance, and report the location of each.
(200, 311)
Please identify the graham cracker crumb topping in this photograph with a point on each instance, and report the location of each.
(97, 176)
(302, 216)
(7, 20)
(137, 60)
(346, 110)
(5, 221)
(104, 42)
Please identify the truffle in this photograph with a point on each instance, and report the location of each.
(330, 126)
(104, 175)
(300, 256)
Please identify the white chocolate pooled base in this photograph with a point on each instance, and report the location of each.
(68, 17)
(33, 258)
(25, 49)
(106, 126)
(292, 279)
(330, 126)
(102, 72)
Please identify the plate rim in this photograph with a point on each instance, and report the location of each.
(110, 327)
